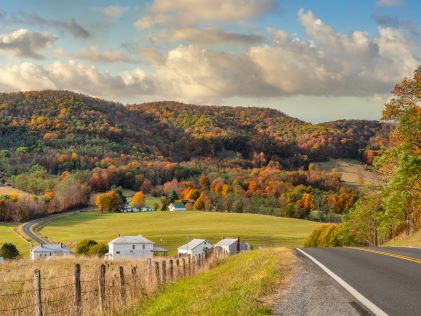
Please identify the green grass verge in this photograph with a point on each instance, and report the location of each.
(239, 286)
(7, 235)
(172, 229)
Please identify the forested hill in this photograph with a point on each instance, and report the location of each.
(50, 123)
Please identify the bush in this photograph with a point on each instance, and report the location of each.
(324, 236)
(9, 251)
(99, 249)
(84, 247)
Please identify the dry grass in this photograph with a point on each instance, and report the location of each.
(11, 190)
(354, 173)
(17, 285)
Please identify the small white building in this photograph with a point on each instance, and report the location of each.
(230, 245)
(194, 247)
(49, 250)
(1, 260)
(130, 247)
(176, 207)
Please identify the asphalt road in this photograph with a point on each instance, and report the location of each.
(29, 228)
(390, 278)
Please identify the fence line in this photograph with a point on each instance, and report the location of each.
(112, 288)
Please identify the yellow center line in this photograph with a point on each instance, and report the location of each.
(389, 254)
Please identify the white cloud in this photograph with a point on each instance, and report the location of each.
(189, 12)
(95, 55)
(113, 11)
(26, 43)
(389, 3)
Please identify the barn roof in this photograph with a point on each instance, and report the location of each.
(131, 240)
(192, 244)
(52, 248)
(226, 242)
(178, 205)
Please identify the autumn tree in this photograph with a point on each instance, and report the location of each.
(109, 202)
(138, 200)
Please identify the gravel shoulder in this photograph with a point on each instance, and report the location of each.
(312, 292)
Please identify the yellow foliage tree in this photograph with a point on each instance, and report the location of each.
(138, 200)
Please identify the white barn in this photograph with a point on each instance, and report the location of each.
(49, 250)
(194, 247)
(130, 247)
(230, 245)
(176, 207)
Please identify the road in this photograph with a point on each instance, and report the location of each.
(29, 228)
(388, 278)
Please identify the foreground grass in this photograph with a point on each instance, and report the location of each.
(238, 286)
(7, 235)
(172, 229)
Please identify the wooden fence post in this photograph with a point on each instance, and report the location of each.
(101, 287)
(184, 267)
(164, 271)
(177, 263)
(190, 267)
(37, 286)
(198, 261)
(134, 278)
(122, 286)
(171, 270)
(158, 277)
(193, 265)
(77, 290)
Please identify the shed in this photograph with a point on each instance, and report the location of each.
(194, 247)
(230, 245)
(159, 251)
(130, 247)
(49, 250)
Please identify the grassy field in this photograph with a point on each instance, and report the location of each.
(354, 173)
(8, 235)
(172, 229)
(239, 286)
(413, 240)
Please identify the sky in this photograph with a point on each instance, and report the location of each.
(317, 60)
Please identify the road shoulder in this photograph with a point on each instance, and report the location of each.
(312, 292)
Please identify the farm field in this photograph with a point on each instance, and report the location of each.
(225, 290)
(171, 230)
(353, 172)
(7, 235)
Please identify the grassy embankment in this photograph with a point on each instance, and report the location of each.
(170, 230)
(239, 286)
(413, 240)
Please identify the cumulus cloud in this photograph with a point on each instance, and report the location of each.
(25, 43)
(113, 11)
(71, 26)
(187, 12)
(210, 36)
(395, 22)
(75, 76)
(389, 3)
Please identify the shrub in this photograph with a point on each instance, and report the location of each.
(99, 249)
(324, 236)
(9, 251)
(84, 247)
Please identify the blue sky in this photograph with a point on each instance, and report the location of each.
(316, 60)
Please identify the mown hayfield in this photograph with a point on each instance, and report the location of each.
(7, 235)
(172, 229)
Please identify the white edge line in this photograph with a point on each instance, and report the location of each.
(362, 299)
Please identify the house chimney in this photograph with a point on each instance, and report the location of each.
(238, 245)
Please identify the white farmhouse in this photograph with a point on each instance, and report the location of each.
(176, 207)
(130, 247)
(232, 245)
(1, 260)
(194, 247)
(49, 250)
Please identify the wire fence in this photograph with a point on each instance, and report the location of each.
(111, 288)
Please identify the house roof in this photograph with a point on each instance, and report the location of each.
(192, 244)
(131, 240)
(226, 242)
(52, 248)
(159, 249)
(178, 205)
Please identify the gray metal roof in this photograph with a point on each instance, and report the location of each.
(226, 242)
(192, 244)
(131, 240)
(159, 249)
(52, 248)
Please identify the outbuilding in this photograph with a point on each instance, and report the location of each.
(194, 247)
(176, 207)
(49, 250)
(232, 245)
(130, 247)
(1, 259)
